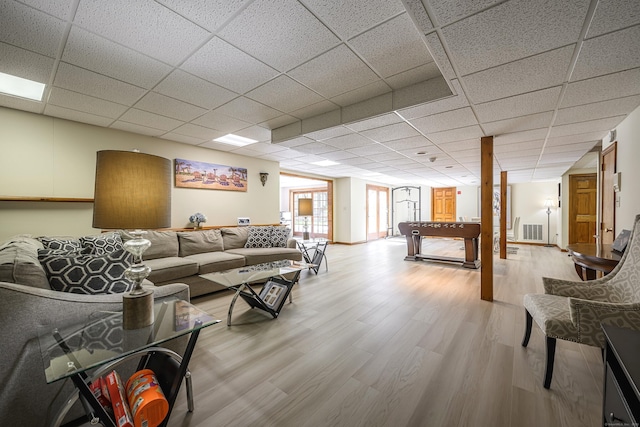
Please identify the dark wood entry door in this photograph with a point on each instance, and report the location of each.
(608, 223)
(443, 204)
(583, 204)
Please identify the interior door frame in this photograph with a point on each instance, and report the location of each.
(604, 189)
(433, 205)
(571, 213)
(329, 199)
(378, 189)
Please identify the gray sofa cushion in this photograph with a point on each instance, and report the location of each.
(19, 263)
(163, 244)
(197, 242)
(216, 261)
(170, 268)
(260, 255)
(234, 238)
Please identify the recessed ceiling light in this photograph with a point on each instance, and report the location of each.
(325, 163)
(448, 167)
(421, 153)
(239, 141)
(24, 88)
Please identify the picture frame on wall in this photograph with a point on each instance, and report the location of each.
(209, 176)
(495, 204)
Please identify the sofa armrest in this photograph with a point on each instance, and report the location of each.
(291, 243)
(591, 290)
(23, 311)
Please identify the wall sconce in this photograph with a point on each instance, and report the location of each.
(263, 178)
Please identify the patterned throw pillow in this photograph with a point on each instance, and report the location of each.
(88, 274)
(102, 244)
(60, 244)
(279, 237)
(259, 237)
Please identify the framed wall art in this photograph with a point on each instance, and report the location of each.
(210, 176)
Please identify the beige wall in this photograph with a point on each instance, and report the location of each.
(49, 157)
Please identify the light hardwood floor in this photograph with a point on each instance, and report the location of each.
(379, 341)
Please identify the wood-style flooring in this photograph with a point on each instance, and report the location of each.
(379, 341)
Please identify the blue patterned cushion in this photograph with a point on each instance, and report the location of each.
(102, 244)
(279, 236)
(259, 237)
(87, 274)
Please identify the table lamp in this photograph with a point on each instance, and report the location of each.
(305, 209)
(133, 192)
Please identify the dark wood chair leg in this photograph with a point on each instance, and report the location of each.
(551, 353)
(527, 330)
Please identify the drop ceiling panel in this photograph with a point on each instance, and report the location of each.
(334, 72)
(208, 14)
(514, 30)
(414, 75)
(248, 110)
(215, 120)
(611, 15)
(390, 132)
(446, 104)
(259, 134)
(361, 94)
(529, 135)
(170, 107)
(399, 36)
(608, 54)
(143, 26)
(356, 161)
(136, 128)
(45, 32)
(460, 134)
(445, 121)
(338, 155)
(574, 139)
(20, 104)
(415, 142)
(565, 157)
(597, 110)
(90, 51)
(617, 85)
(533, 121)
(194, 90)
(603, 125)
(520, 105)
(375, 122)
(80, 102)
(369, 150)
(75, 115)
(284, 94)
(534, 73)
(314, 109)
(58, 8)
(25, 64)
(151, 120)
(453, 147)
(315, 148)
(266, 28)
(200, 132)
(171, 136)
(333, 132)
(447, 11)
(581, 146)
(518, 146)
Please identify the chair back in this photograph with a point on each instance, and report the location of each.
(515, 228)
(625, 277)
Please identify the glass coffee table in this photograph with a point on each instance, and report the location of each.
(280, 275)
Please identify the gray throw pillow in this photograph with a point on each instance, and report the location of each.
(60, 243)
(234, 238)
(197, 242)
(259, 237)
(102, 244)
(279, 236)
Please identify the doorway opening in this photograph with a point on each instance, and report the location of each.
(443, 204)
(377, 212)
(319, 222)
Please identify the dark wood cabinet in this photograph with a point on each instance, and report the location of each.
(621, 402)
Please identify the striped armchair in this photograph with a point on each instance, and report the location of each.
(574, 311)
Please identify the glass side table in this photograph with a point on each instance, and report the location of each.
(100, 342)
(313, 252)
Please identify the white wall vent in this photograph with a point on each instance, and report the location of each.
(532, 231)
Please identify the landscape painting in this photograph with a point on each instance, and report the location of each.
(194, 174)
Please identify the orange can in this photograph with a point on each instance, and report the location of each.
(149, 407)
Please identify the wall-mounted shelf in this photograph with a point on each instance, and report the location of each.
(45, 199)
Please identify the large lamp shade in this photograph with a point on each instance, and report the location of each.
(132, 191)
(305, 207)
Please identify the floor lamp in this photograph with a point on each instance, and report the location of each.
(547, 204)
(305, 209)
(133, 191)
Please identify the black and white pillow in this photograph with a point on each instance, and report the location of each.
(102, 244)
(259, 237)
(88, 274)
(61, 244)
(279, 237)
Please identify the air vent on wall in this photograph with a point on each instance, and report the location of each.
(532, 231)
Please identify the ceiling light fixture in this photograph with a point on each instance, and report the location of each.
(421, 153)
(238, 141)
(325, 163)
(24, 88)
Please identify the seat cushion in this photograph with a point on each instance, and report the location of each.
(170, 268)
(552, 315)
(163, 244)
(216, 261)
(260, 255)
(19, 263)
(234, 238)
(197, 242)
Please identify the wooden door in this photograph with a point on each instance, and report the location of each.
(443, 204)
(583, 204)
(377, 212)
(608, 209)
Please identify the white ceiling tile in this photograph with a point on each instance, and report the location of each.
(553, 158)
(215, 120)
(348, 18)
(513, 30)
(316, 109)
(279, 121)
(87, 104)
(238, 71)
(597, 110)
(333, 132)
(266, 28)
(414, 75)
(369, 150)
(334, 72)
(59, 8)
(444, 121)
(182, 138)
(611, 86)
(390, 132)
(248, 110)
(90, 51)
(447, 11)
(208, 14)
(517, 154)
(375, 122)
(602, 125)
(429, 150)
(612, 15)
(144, 26)
(528, 135)
(31, 29)
(580, 146)
(23, 63)
(398, 35)
(607, 54)
(517, 124)
(200, 132)
(136, 128)
(315, 148)
(194, 90)
(288, 154)
(338, 155)
(266, 148)
(75, 115)
(454, 147)
(453, 102)
(440, 56)
(284, 94)
(21, 104)
(416, 9)
(217, 146)
(518, 146)
(460, 134)
(170, 107)
(520, 105)
(151, 120)
(365, 92)
(574, 139)
(294, 142)
(259, 134)
(97, 85)
(409, 143)
(538, 72)
(348, 141)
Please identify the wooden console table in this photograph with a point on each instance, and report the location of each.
(469, 231)
(591, 258)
